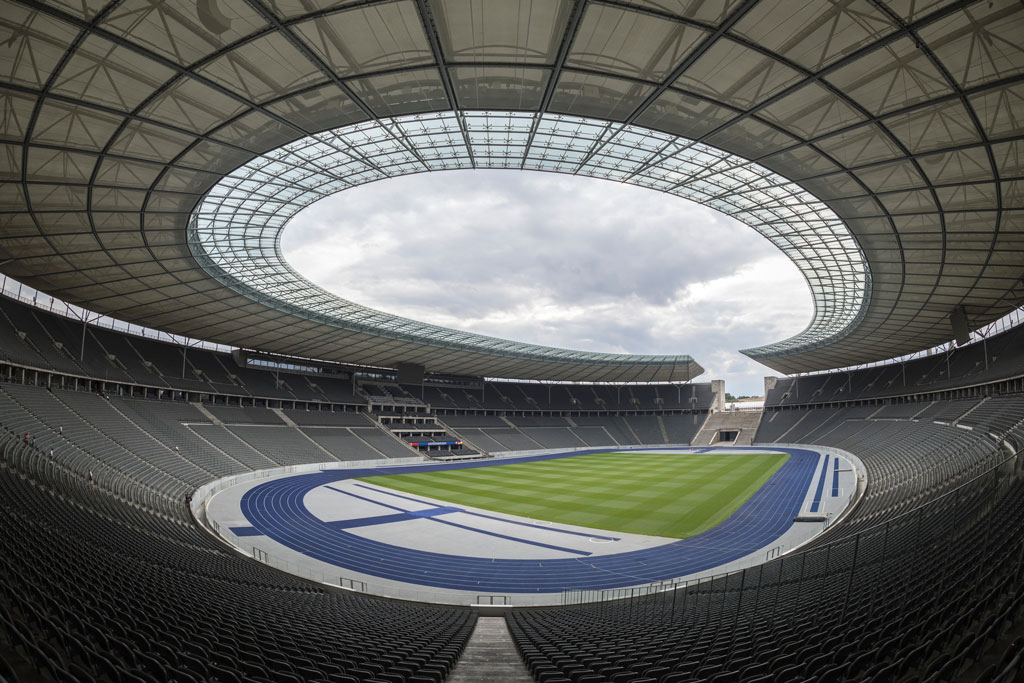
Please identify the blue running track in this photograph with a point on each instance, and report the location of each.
(276, 509)
(816, 503)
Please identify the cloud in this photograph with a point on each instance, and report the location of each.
(557, 260)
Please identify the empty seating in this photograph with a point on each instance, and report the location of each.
(920, 582)
(97, 590)
(343, 444)
(999, 357)
(929, 558)
(323, 418)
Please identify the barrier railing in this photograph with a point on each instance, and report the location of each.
(494, 600)
(302, 567)
(936, 528)
(579, 596)
(352, 584)
(395, 590)
(576, 449)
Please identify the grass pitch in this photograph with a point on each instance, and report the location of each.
(657, 494)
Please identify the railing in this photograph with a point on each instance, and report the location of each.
(494, 600)
(575, 449)
(423, 594)
(580, 596)
(373, 399)
(301, 567)
(935, 529)
(352, 584)
(743, 408)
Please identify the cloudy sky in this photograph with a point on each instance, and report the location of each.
(557, 260)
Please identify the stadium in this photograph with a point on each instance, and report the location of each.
(214, 470)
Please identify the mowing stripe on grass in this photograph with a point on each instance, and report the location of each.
(660, 494)
(480, 514)
(277, 509)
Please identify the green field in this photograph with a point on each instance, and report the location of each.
(658, 494)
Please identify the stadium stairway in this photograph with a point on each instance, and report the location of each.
(490, 656)
(743, 422)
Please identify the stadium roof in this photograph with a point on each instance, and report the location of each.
(153, 152)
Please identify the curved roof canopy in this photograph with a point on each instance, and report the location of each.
(905, 119)
(235, 230)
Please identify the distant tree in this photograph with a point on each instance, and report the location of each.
(729, 397)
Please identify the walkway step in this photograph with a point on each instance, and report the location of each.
(490, 656)
(207, 414)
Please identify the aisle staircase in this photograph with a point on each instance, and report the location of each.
(729, 428)
(490, 656)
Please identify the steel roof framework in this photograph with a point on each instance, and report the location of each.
(904, 118)
(236, 229)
